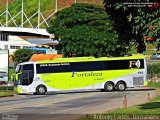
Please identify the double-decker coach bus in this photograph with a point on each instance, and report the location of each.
(105, 74)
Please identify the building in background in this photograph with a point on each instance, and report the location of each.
(15, 43)
(12, 38)
(3, 65)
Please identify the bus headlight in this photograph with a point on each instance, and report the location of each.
(19, 89)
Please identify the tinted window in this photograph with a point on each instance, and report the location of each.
(52, 68)
(89, 66)
(70, 67)
(26, 78)
(111, 65)
(93, 66)
(123, 64)
(28, 67)
(78, 66)
(27, 75)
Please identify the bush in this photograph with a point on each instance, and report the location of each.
(3, 88)
(22, 55)
(154, 69)
(154, 84)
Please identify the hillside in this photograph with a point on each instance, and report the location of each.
(3, 3)
(31, 7)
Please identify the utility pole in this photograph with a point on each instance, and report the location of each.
(56, 6)
(7, 13)
(39, 13)
(22, 15)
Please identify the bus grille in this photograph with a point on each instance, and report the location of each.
(138, 81)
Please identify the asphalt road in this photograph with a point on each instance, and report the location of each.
(68, 105)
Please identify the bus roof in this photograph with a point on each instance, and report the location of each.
(84, 59)
(29, 62)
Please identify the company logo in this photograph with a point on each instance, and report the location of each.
(88, 74)
(134, 64)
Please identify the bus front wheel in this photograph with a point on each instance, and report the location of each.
(41, 90)
(109, 86)
(121, 86)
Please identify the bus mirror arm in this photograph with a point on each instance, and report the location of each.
(18, 75)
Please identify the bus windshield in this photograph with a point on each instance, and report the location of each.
(18, 68)
(26, 74)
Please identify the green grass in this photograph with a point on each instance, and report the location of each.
(149, 109)
(5, 88)
(6, 91)
(152, 107)
(154, 84)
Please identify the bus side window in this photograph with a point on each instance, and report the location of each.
(61, 68)
(94, 66)
(78, 66)
(111, 65)
(52, 68)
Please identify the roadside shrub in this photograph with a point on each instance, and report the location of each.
(4, 88)
(22, 55)
(154, 84)
(154, 69)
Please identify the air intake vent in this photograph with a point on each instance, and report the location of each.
(138, 81)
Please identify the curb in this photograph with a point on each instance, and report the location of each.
(158, 91)
(6, 96)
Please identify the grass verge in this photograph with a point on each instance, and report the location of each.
(144, 111)
(6, 91)
(154, 84)
(6, 94)
(152, 107)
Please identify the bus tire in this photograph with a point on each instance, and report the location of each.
(102, 90)
(109, 86)
(121, 86)
(35, 93)
(41, 90)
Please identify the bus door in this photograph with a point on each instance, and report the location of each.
(27, 74)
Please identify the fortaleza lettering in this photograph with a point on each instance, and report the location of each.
(88, 74)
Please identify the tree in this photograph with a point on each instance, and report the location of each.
(85, 30)
(22, 55)
(135, 24)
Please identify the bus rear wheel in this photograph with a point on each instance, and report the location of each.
(108, 87)
(121, 86)
(41, 90)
